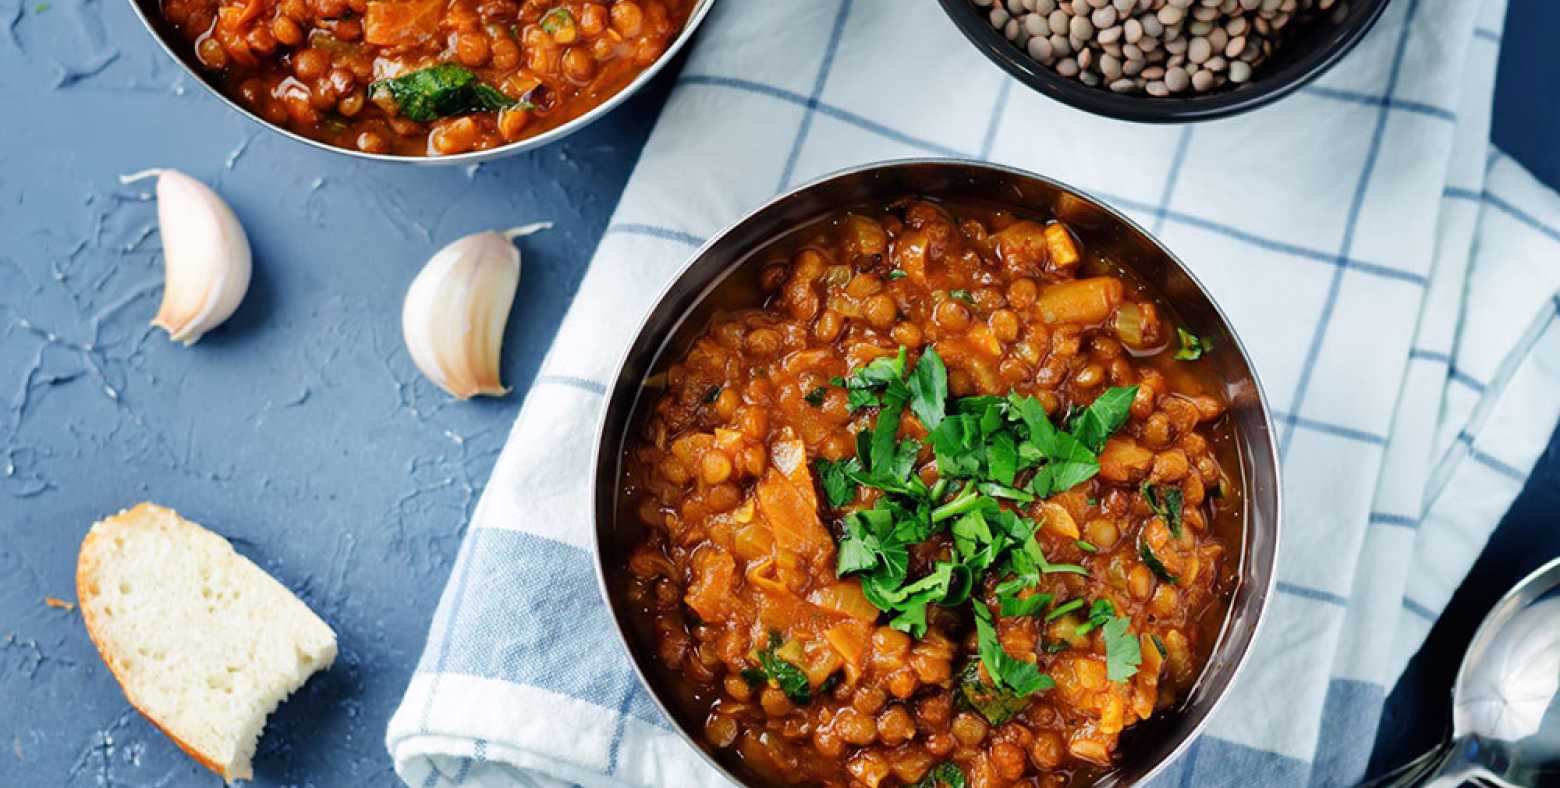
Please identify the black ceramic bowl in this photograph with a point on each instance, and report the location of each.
(723, 275)
(1307, 51)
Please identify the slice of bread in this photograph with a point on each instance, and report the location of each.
(204, 643)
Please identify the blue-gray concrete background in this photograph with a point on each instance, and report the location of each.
(300, 429)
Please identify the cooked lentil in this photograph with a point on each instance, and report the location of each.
(794, 670)
(325, 68)
(1158, 47)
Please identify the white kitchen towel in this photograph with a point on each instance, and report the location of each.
(1394, 279)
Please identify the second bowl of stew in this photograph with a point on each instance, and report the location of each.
(446, 81)
(936, 473)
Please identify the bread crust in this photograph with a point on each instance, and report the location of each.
(87, 561)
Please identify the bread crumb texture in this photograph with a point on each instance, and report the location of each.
(203, 641)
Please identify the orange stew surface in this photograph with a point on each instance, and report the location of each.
(750, 575)
(317, 67)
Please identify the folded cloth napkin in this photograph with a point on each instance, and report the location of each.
(1393, 278)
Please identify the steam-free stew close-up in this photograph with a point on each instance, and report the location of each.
(424, 77)
(956, 505)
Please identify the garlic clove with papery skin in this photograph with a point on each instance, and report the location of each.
(456, 309)
(206, 258)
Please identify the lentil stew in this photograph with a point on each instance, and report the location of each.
(424, 77)
(957, 503)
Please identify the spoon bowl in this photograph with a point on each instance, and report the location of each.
(1506, 700)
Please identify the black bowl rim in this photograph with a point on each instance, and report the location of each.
(1264, 588)
(1265, 89)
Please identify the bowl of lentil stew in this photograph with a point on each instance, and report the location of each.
(431, 81)
(1055, 585)
(1244, 60)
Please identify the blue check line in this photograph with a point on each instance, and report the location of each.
(1281, 247)
(1500, 204)
(990, 139)
(462, 573)
(1307, 592)
(1351, 225)
(1387, 518)
(1490, 461)
(1369, 100)
(1458, 376)
(1182, 145)
(823, 108)
(654, 231)
(1433, 356)
(829, 51)
(1336, 430)
(1522, 216)
(1420, 610)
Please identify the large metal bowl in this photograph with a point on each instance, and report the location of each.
(172, 43)
(719, 276)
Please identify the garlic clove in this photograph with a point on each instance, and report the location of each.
(206, 257)
(456, 309)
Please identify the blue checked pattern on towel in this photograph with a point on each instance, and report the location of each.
(1393, 277)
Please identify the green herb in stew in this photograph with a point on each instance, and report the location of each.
(441, 91)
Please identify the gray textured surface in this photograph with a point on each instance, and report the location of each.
(300, 430)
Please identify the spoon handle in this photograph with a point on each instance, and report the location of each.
(1414, 772)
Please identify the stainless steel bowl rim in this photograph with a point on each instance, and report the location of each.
(469, 157)
(599, 433)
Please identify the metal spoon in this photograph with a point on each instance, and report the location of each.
(1506, 702)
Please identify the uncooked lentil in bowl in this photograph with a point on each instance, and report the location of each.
(1158, 47)
(955, 499)
(424, 77)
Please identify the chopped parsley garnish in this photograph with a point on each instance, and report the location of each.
(1063, 609)
(711, 395)
(943, 775)
(897, 274)
(1192, 346)
(1099, 613)
(1086, 546)
(1155, 566)
(441, 91)
(962, 295)
(778, 673)
(990, 452)
(838, 486)
(815, 397)
(1123, 653)
(1166, 502)
(1159, 645)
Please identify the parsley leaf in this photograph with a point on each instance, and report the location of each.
(1192, 346)
(995, 704)
(838, 486)
(787, 677)
(1006, 671)
(896, 274)
(1100, 613)
(962, 295)
(1063, 609)
(929, 389)
(1167, 504)
(1123, 653)
(711, 395)
(1104, 416)
(943, 774)
(1157, 567)
(815, 397)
